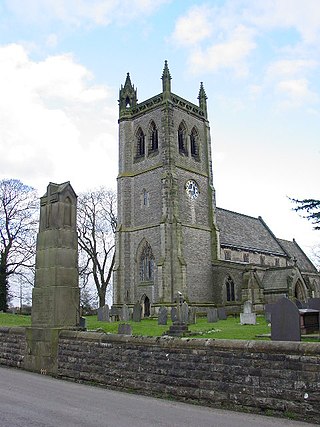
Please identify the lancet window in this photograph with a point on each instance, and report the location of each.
(153, 138)
(230, 289)
(182, 139)
(194, 144)
(140, 143)
(146, 264)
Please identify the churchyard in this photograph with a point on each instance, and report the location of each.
(222, 329)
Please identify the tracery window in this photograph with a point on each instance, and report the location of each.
(230, 289)
(194, 145)
(146, 264)
(140, 143)
(182, 140)
(153, 141)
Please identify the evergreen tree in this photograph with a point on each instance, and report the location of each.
(312, 208)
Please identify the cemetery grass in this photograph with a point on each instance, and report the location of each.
(223, 329)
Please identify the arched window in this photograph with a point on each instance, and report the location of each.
(230, 289)
(140, 143)
(194, 144)
(153, 138)
(182, 139)
(146, 264)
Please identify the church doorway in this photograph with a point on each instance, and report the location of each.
(145, 302)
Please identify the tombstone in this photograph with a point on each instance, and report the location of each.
(248, 317)
(83, 323)
(163, 316)
(103, 314)
(268, 312)
(183, 313)
(301, 305)
(314, 303)
(174, 314)
(114, 313)
(212, 315)
(137, 312)
(285, 321)
(124, 329)
(222, 315)
(125, 313)
(192, 316)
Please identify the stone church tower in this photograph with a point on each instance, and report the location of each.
(166, 239)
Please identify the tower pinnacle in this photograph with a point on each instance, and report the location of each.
(166, 78)
(203, 99)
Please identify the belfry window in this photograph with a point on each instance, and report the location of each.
(194, 147)
(153, 141)
(140, 143)
(230, 289)
(146, 264)
(182, 140)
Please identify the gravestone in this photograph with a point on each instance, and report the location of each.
(268, 312)
(192, 316)
(248, 317)
(314, 303)
(137, 312)
(125, 313)
(124, 329)
(163, 316)
(83, 323)
(114, 313)
(183, 313)
(212, 315)
(222, 315)
(103, 314)
(285, 321)
(174, 314)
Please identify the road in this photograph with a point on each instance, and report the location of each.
(28, 399)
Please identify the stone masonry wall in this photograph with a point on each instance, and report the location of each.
(273, 377)
(280, 378)
(12, 346)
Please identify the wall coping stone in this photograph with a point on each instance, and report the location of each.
(251, 346)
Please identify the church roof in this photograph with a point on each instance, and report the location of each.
(277, 278)
(247, 233)
(295, 252)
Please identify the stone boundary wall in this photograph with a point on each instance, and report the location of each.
(12, 346)
(279, 378)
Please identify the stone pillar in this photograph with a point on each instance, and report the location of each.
(56, 294)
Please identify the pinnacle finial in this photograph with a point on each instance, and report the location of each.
(166, 78)
(203, 99)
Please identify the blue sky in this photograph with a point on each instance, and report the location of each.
(62, 63)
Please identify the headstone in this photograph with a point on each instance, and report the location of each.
(285, 321)
(103, 314)
(83, 323)
(192, 316)
(183, 313)
(124, 329)
(314, 303)
(163, 316)
(125, 313)
(137, 311)
(212, 315)
(268, 308)
(222, 315)
(248, 317)
(174, 314)
(301, 305)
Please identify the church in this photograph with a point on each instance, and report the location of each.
(171, 236)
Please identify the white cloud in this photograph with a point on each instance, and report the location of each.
(290, 67)
(54, 122)
(194, 27)
(230, 54)
(80, 13)
(297, 92)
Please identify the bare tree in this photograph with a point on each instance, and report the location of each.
(312, 208)
(96, 224)
(18, 228)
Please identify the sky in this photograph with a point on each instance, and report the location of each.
(62, 63)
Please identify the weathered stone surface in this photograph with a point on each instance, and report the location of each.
(103, 314)
(212, 315)
(222, 315)
(137, 312)
(125, 329)
(285, 321)
(125, 313)
(163, 316)
(174, 314)
(248, 317)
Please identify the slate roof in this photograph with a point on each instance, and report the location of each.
(276, 278)
(247, 233)
(295, 252)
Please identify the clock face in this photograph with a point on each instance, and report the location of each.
(192, 189)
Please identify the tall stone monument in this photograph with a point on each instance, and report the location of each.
(56, 294)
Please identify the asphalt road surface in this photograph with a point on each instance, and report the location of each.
(32, 400)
